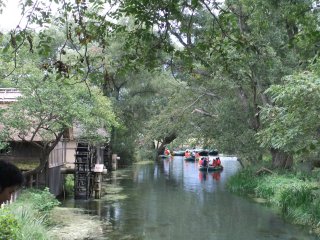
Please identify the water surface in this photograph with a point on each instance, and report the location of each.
(173, 200)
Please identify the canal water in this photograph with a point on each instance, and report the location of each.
(172, 200)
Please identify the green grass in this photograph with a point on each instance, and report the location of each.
(295, 195)
(244, 182)
(28, 217)
(32, 224)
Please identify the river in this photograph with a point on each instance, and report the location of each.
(172, 200)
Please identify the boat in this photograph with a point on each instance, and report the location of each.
(191, 158)
(178, 153)
(203, 163)
(213, 153)
(188, 156)
(203, 168)
(215, 168)
(202, 153)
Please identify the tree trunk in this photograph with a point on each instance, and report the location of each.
(45, 150)
(168, 139)
(281, 159)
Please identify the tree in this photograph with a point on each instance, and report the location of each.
(48, 107)
(228, 55)
(292, 122)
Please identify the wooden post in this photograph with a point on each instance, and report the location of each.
(114, 161)
(97, 185)
(98, 170)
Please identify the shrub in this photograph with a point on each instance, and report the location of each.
(296, 195)
(315, 209)
(31, 211)
(9, 227)
(69, 184)
(32, 224)
(243, 182)
(41, 200)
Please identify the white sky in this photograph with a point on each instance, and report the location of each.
(10, 16)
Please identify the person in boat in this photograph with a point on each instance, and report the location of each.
(200, 162)
(167, 151)
(218, 162)
(203, 161)
(214, 162)
(187, 154)
(11, 179)
(197, 155)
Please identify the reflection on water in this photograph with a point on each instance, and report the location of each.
(173, 200)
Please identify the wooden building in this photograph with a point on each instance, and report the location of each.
(62, 156)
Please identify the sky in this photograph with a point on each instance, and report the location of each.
(10, 16)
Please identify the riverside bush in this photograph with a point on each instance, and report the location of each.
(32, 223)
(41, 200)
(9, 227)
(243, 182)
(296, 196)
(30, 215)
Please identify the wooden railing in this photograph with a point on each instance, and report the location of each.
(9, 94)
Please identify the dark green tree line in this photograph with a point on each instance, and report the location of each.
(222, 55)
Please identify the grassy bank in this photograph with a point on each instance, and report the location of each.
(29, 217)
(295, 195)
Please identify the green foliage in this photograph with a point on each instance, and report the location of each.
(285, 190)
(243, 182)
(27, 218)
(294, 195)
(33, 224)
(69, 184)
(40, 200)
(145, 154)
(48, 106)
(31, 214)
(222, 62)
(315, 208)
(9, 226)
(292, 123)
